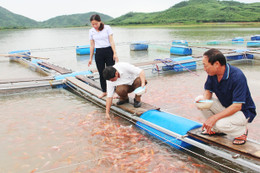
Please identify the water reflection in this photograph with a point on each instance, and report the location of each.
(82, 58)
(139, 54)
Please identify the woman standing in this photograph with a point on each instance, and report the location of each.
(101, 38)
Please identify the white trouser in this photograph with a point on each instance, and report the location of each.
(234, 125)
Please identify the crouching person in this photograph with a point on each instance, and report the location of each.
(123, 78)
(234, 106)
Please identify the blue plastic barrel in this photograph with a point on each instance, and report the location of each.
(238, 40)
(253, 44)
(255, 37)
(185, 65)
(180, 42)
(84, 50)
(180, 50)
(141, 45)
(170, 122)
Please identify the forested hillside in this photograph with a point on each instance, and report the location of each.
(196, 11)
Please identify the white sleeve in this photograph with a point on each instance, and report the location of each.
(90, 35)
(110, 89)
(109, 30)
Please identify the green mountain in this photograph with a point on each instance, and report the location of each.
(73, 20)
(188, 11)
(196, 11)
(11, 20)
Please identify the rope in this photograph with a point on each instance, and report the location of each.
(172, 141)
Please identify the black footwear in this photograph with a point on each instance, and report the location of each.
(120, 102)
(137, 104)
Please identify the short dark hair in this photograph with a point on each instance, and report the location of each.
(96, 17)
(215, 55)
(109, 72)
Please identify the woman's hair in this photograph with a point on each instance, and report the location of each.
(215, 55)
(96, 17)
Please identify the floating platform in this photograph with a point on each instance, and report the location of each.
(96, 92)
(56, 68)
(180, 50)
(249, 149)
(15, 86)
(27, 53)
(141, 45)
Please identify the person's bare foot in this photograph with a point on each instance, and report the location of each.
(102, 95)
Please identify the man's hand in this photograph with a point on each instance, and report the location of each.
(209, 123)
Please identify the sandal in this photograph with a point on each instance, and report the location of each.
(241, 139)
(212, 133)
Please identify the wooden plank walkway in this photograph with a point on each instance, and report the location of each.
(56, 68)
(89, 81)
(127, 106)
(250, 148)
(4, 81)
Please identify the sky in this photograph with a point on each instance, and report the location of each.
(41, 10)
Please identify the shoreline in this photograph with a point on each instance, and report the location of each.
(172, 25)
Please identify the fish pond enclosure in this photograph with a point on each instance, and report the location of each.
(52, 121)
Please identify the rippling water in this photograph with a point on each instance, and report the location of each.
(56, 131)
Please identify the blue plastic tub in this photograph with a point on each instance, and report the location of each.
(255, 37)
(170, 122)
(180, 42)
(142, 45)
(83, 50)
(253, 44)
(180, 50)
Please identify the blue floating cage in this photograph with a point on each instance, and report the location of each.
(173, 123)
(141, 45)
(240, 56)
(255, 37)
(253, 44)
(180, 50)
(83, 50)
(180, 64)
(180, 42)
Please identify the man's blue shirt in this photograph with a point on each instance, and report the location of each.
(231, 89)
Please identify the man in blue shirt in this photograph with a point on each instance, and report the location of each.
(234, 106)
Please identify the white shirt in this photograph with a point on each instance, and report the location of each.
(101, 38)
(128, 73)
